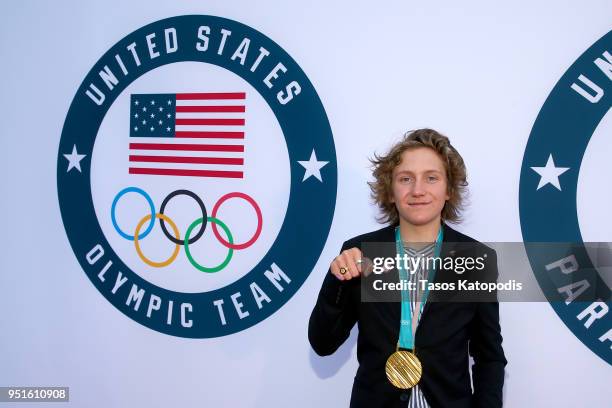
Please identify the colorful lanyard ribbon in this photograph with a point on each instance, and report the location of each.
(406, 338)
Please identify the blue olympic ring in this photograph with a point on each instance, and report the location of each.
(151, 206)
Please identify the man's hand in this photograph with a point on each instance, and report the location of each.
(349, 264)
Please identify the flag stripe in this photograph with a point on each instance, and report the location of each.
(211, 95)
(195, 173)
(207, 128)
(194, 147)
(210, 115)
(222, 122)
(211, 102)
(187, 166)
(198, 160)
(186, 153)
(213, 108)
(210, 135)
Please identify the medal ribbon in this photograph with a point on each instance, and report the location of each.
(406, 336)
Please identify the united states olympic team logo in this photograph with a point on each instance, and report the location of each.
(197, 176)
(550, 205)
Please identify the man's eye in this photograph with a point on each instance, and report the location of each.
(432, 179)
(406, 179)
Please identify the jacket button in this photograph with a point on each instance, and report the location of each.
(404, 396)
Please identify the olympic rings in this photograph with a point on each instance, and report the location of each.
(198, 200)
(137, 245)
(188, 240)
(259, 220)
(114, 205)
(223, 264)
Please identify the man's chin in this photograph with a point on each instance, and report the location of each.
(419, 221)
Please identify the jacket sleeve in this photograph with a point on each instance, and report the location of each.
(486, 350)
(334, 314)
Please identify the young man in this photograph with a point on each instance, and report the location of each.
(414, 353)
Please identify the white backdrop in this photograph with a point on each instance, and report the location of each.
(477, 71)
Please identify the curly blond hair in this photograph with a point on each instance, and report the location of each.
(383, 165)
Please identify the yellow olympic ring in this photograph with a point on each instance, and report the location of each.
(137, 245)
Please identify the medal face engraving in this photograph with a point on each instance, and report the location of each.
(403, 369)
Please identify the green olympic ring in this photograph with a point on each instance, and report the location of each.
(188, 252)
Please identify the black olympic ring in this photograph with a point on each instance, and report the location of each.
(204, 216)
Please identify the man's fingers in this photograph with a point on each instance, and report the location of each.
(356, 257)
(351, 263)
(347, 265)
(352, 257)
(340, 268)
(335, 269)
(366, 266)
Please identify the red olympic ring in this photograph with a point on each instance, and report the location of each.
(259, 220)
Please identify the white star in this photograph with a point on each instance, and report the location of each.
(161, 109)
(160, 122)
(312, 166)
(167, 129)
(151, 128)
(169, 102)
(168, 115)
(144, 109)
(550, 174)
(136, 115)
(74, 159)
(152, 116)
(152, 102)
(136, 103)
(136, 128)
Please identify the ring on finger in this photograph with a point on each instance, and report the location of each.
(343, 270)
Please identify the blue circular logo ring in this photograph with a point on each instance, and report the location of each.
(114, 207)
(297, 247)
(548, 212)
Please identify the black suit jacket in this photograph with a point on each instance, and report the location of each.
(446, 333)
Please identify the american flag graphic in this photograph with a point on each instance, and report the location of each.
(187, 134)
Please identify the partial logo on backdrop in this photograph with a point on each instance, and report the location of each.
(548, 197)
(197, 176)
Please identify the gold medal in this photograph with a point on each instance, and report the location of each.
(403, 369)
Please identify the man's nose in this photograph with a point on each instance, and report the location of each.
(418, 188)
